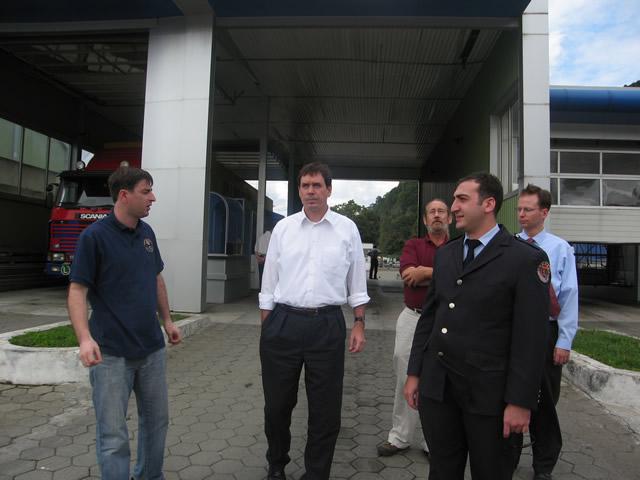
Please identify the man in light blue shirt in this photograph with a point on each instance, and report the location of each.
(534, 204)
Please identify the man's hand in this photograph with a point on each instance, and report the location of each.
(356, 339)
(560, 356)
(411, 391)
(174, 335)
(260, 258)
(416, 276)
(90, 352)
(515, 420)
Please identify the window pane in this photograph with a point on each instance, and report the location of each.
(621, 163)
(554, 191)
(59, 158)
(10, 147)
(515, 146)
(10, 140)
(621, 193)
(554, 162)
(579, 162)
(35, 149)
(34, 164)
(579, 191)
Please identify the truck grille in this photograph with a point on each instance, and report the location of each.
(66, 235)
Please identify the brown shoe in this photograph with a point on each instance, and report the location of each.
(387, 449)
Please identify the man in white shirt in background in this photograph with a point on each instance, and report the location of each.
(315, 265)
(534, 204)
(261, 249)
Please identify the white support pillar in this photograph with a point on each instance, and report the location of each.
(535, 94)
(262, 175)
(176, 149)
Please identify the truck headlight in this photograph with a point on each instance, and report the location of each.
(57, 257)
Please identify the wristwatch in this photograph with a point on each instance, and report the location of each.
(359, 319)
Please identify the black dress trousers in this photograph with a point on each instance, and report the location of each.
(290, 340)
(546, 435)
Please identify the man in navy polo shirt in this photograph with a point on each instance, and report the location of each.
(117, 266)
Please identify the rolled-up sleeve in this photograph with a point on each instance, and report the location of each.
(357, 274)
(270, 273)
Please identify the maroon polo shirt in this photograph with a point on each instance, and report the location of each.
(417, 252)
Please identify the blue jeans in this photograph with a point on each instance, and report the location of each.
(112, 382)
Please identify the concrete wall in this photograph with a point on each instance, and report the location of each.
(465, 145)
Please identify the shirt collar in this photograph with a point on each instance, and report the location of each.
(121, 226)
(486, 238)
(330, 216)
(539, 238)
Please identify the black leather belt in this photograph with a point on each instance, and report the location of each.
(309, 311)
(417, 310)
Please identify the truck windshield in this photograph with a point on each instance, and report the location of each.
(84, 192)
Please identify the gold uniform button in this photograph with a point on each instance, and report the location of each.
(444, 330)
(441, 354)
(452, 305)
(459, 281)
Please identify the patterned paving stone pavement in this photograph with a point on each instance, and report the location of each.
(216, 431)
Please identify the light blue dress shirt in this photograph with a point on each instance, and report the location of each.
(565, 283)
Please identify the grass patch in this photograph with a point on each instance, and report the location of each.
(618, 351)
(59, 337)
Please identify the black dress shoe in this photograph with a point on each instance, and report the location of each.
(276, 473)
(542, 476)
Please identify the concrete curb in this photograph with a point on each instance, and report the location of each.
(604, 383)
(52, 366)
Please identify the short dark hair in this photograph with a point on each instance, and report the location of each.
(316, 167)
(488, 186)
(544, 196)
(127, 178)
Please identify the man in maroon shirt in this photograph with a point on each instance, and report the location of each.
(416, 264)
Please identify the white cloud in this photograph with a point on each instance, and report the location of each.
(361, 192)
(594, 42)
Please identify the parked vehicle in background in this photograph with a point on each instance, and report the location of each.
(82, 198)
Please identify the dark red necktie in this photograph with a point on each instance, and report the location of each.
(554, 305)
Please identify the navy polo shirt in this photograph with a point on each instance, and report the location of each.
(119, 265)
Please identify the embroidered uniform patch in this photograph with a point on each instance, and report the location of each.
(544, 272)
(148, 245)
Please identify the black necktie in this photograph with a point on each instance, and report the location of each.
(471, 246)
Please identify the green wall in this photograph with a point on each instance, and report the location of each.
(508, 216)
(465, 145)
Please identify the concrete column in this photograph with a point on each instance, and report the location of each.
(176, 149)
(262, 175)
(535, 94)
(292, 188)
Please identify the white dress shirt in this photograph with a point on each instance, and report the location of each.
(313, 265)
(262, 244)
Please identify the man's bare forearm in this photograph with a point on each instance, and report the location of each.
(77, 307)
(163, 300)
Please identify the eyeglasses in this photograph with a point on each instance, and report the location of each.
(526, 209)
(439, 211)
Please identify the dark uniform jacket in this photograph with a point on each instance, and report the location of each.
(485, 326)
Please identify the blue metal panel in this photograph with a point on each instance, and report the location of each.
(595, 105)
(360, 8)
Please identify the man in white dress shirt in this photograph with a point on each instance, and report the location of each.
(315, 265)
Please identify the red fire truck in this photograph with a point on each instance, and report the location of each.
(83, 197)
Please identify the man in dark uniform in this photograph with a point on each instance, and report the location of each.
(479, 346)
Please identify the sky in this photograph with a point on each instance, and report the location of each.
(591, 43)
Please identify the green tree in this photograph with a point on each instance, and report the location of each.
(365, 218)
(398, 214)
